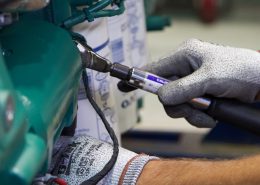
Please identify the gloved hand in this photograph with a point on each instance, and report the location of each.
(76, 159)
(204, 68)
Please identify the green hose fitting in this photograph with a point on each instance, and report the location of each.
(94, 11)
(110, 13)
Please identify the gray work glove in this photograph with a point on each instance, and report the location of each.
(204, 68)
(76, 159)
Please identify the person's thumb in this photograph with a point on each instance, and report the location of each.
(184, 89)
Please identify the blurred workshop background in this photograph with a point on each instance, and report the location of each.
(170, 22)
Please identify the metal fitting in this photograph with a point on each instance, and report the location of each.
(92, 60)
(22, 5)
(6, 109)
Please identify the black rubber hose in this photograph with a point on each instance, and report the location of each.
(110, 164)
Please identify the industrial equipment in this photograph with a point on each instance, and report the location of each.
(40, 71)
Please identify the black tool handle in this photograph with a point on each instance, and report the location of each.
(242, 115)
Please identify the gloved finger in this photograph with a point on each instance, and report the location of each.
(124, 87)
(184, 89)
(200, 119)
(193, 116)
(179, 64)
(183, 62)
(178, 111)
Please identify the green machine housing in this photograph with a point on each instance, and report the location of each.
(40, 69)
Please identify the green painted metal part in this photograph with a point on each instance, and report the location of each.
(56, 12)
(155, 23)
(41, 69)
(81, 2)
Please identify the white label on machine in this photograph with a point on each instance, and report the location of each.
(121, 53)
(88, 122)
(137, 30)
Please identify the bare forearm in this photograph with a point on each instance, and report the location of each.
(197, 172)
